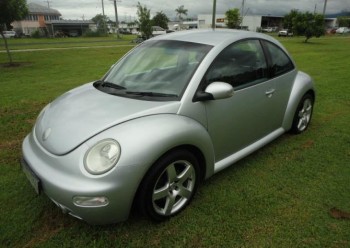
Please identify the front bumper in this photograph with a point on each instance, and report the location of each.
(62, 178)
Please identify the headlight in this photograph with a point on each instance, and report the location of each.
(102, 156)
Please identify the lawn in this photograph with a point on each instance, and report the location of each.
(41, 43)
(280, 196)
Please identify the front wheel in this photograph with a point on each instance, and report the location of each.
(169, 186)
(303, 114)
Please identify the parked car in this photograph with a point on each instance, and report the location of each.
(331, 30)
(342, 30)
(73, 33)
(269, 29)
(172, 112)
(9, 34)
(156, 30)
(124, 31)
(285, 32)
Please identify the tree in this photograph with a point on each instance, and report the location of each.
(315, 25)
(343, 21)
(161, 20)
(10, 11)
(181, 11)
(233, 18)
(101, 22)
(306, 24)
(144, 20)
(288, 19)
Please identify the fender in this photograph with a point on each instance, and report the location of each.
(144, 140)
(303, 83)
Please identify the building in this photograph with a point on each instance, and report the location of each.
(71, 28)
(48, 22)
(252, 23)
(267, 23)
(36, 20)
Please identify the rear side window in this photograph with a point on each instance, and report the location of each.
(280, 62)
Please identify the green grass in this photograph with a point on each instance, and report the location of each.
(279, 196)
(40, 43)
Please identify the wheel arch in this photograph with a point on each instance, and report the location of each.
(303, 85)
(196, 152)
(145, 140)
(185, 147)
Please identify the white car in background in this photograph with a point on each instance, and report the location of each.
(285, 32)
(156, 30)
(9, 34)
(342, 30)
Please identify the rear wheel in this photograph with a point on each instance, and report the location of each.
(169, 186)
(302, 116)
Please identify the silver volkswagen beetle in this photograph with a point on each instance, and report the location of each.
(172, 112)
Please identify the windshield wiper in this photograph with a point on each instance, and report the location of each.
(112, 85)
(150, 93)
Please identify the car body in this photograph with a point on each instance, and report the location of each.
(9, 34)
(342, 30)
(172, 112)
(285, 33)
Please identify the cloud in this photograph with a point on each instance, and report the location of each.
(76, 9)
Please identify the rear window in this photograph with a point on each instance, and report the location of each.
(280, 61)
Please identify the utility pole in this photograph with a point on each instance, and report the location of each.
(116, 17)
(103, 8)
(242, 13)
(48, 3)
(324, 7)
(242, 9)
(103, 18)
(214, 13)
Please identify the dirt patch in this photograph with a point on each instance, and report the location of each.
(308, 144)
(339, 214)
(10, 145)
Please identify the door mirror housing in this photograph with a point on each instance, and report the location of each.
(215, 91)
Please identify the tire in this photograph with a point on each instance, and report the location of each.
(169, 186)
(303, 114)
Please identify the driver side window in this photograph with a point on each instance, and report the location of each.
(241, 64)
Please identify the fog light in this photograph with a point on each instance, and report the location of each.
(90, 201)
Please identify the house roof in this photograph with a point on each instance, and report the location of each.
(69, 22)
(39, 9)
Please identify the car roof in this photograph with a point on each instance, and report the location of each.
(212, 37)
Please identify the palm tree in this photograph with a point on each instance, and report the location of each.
(181, 11)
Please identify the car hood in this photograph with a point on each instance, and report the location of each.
(85, 111)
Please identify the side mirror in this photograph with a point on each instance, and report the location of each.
(215, 91)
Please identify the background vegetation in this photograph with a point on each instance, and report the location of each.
(305, 23)
(292, 193)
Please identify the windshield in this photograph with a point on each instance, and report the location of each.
(156, 69)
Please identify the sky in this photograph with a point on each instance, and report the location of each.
(86, 9)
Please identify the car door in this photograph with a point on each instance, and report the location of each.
(248, 115)
(282, 72)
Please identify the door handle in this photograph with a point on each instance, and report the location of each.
(270, 92)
